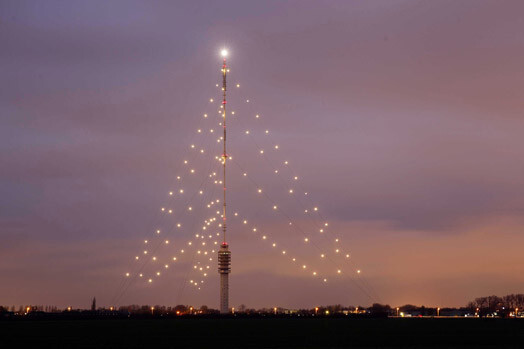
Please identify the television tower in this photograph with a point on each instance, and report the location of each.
(224, 255)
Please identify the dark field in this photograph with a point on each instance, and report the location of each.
(263, 333)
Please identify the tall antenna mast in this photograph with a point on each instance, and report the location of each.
(224, 154)
(224, 255)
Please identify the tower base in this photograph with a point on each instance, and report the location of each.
(224, 268)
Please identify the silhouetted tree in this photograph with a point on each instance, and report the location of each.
(408, 308)
(181, 308)
(380, 309)
(501, 305)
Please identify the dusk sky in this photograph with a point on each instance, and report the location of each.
(402, 119)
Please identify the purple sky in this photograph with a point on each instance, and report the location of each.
(401, 118)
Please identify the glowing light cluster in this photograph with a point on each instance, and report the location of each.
(203, 239)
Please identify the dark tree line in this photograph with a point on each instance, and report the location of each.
(492, 304)
(482, 306)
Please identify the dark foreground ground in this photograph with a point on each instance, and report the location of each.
(263, 333)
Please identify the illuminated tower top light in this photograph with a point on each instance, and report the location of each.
(224, 53)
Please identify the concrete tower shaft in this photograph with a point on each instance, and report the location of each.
(224, 268)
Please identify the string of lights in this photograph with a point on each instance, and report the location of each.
(138, 274)
(322, 227)
(289, 182)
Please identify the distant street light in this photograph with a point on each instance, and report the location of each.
(397, 310)
(152, 310)
(316, 310)
(438, 312)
